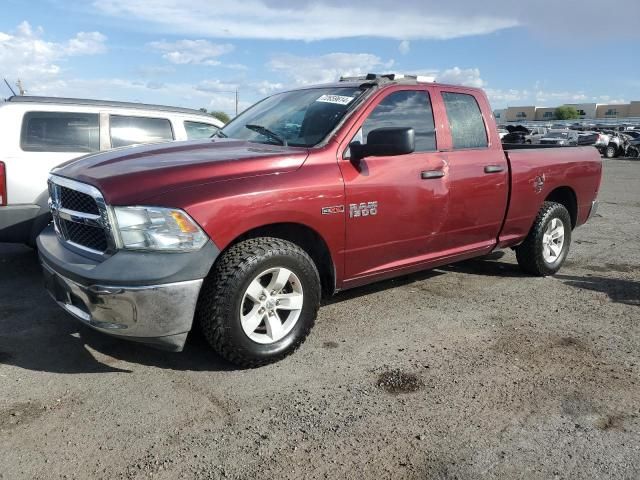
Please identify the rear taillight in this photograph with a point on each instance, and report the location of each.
(3, 185)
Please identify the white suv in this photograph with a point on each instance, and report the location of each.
(39, 133)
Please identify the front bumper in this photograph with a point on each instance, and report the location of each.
(141, 296)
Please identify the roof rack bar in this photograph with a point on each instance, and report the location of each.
(387, 77)
(101, 103)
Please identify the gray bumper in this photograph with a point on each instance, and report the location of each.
(141, 296)
(159, 315)
(17, 222)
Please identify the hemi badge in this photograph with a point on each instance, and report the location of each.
(330, 210)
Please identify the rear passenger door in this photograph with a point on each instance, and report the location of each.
(478, 173)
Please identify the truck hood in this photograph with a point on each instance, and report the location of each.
(128, 176)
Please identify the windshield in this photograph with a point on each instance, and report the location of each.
(301, 118)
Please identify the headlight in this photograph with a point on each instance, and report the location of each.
(155, 228)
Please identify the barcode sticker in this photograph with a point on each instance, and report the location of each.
(337, 99)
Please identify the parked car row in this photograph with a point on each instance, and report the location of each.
(40, 133)
(610, 143)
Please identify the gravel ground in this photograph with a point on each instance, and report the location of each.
(469, 371)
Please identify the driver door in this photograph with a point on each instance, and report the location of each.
(396, 206)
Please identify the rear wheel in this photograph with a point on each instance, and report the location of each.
(260, 301)
(546, 247)
(610, 151)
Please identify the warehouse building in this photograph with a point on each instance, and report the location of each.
(585, 110)
(545, 114)
(612, 111)
(521, 114)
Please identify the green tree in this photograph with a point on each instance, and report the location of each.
(567, 112)
(223, 117)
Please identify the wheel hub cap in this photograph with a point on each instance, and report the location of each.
(271, 305)
(553, 240)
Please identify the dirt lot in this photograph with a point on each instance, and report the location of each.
(469, 371)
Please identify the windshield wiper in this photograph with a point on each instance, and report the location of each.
(267, 133)
(219, 134)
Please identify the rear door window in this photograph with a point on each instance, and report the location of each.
(60, 132)
(199, 130)
(465, 121)
(407, 108)
(126, 130)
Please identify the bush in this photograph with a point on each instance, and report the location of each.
(566, 113)
(223, 117)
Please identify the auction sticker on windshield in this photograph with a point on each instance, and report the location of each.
(337, 99)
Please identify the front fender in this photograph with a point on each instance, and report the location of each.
(229, 209)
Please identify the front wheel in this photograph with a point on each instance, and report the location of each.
(546, 247)
(260, 301)
(610, 151)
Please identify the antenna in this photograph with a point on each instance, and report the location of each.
(9, 86)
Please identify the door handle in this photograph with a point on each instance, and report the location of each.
(430, 174)
(493, 169)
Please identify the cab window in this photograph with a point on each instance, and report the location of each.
(407, 108)
(465, 121)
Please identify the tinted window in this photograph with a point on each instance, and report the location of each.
(409, 108)
(134, 130)
(197, 130)
(60, 132)
(465, 121)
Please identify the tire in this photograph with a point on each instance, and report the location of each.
(534, 256)
(226, 306)
(610, 151)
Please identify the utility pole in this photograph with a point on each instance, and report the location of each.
(236, 92)
(21, 88)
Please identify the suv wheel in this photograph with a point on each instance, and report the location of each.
(546, 247)
(610, 151)
(260, 301)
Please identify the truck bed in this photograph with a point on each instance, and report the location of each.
(536, 173)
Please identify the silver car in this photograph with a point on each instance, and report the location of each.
(563, 138)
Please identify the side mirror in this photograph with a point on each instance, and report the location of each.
(385, 142)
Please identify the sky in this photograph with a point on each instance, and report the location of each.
(196, 53)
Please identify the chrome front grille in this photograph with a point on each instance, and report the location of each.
(80, 215)
(78, 201)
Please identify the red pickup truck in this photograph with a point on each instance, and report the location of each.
(306, 193)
